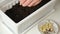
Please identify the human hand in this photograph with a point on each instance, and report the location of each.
(29, 3)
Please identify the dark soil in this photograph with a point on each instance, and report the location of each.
(18, 12)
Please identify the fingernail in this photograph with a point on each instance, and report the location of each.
(20, 3)
(29, 5)
(23, 5)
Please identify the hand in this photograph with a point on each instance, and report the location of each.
(29, 3)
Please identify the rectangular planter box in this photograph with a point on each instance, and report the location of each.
(29, 20)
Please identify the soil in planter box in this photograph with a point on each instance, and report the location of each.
(18, 12)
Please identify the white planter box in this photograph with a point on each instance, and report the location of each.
(28, 21)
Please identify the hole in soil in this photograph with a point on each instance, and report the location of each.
(18, 12)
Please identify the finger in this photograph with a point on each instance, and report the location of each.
(22, 1)
(27, 2)
(33, 2)
(37, 3)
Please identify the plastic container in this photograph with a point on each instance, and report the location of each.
(52, 23)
